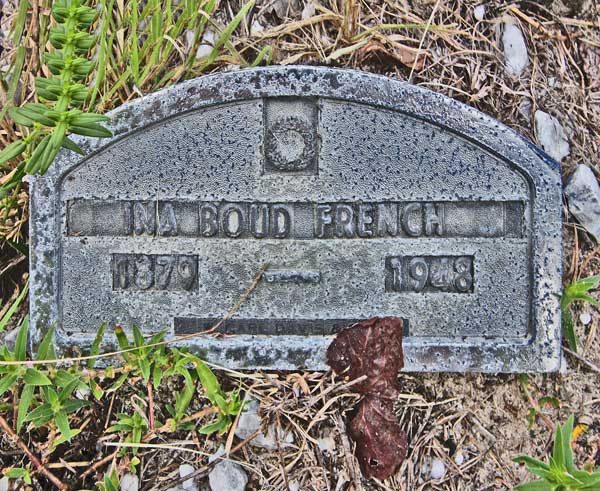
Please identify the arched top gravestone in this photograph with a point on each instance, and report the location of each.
(366, 196)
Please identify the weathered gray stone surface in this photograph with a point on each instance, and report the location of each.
(366, 196)
(583, 195)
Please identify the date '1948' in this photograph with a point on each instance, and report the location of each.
(452, 274)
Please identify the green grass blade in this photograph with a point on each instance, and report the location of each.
(13, 308)
(226, 34)
(569, 329)
(16, 69)
(24, 404)
(267, 52)
(95, 348)
(20, 21)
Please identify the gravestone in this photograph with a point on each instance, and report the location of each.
(366, 196)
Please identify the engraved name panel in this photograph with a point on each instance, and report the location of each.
(260, 220)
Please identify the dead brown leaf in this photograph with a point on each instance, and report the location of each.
(380, 442)
(372, 348)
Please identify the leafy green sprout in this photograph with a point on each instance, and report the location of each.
(62, 94)
(134, 426)
(19, 473)
(576, 291)
(560, 474)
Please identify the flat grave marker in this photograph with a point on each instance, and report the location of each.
(366, 196)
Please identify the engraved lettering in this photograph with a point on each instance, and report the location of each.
(259, 220)
(344, 221)
(464, 279)
(209, 226)
(396, 266)
(233, 221)
(282, 221)
(418, 271)
(387, 219)
(429, 274)
(365, 220)
(187, 269)
(412, 222)
(144, 218)
(439, 272)
(434, 223)
(144, 272)
(121, 271)
(150, 272)
(164, 269)
(322, 218)
(167, 223)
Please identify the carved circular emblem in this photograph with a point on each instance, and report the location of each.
(290, 146)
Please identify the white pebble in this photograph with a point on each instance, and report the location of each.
(4, 484)
(438, 469)
(326, 444)
(256, 28)
(459, 458)
(479, 12)
(551, 135)
(129, 482)
(515, 49)
(585, 318)
(308, 11)
(190, 484)
(206, 46)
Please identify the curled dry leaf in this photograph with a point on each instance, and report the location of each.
(408, 56)
(372, 348)
(380, 442)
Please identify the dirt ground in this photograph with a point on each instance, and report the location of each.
(474, 423)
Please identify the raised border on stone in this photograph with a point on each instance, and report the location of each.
(541, 352)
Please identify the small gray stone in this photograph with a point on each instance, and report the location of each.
(479, 12)
(515, 49)
(326, 444)
(227, 476)
(219, 453)
(256, 28)
(10, 338)
(206, 46)
(583, 194)
(551, 135)
(273, 438)
(129, 482)
(438, 469)
(249, 422)
(308, 11)
(190, 484)
(459, 458)
(4, 484)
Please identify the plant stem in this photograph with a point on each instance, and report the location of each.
(34, 460)
(150, 406)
